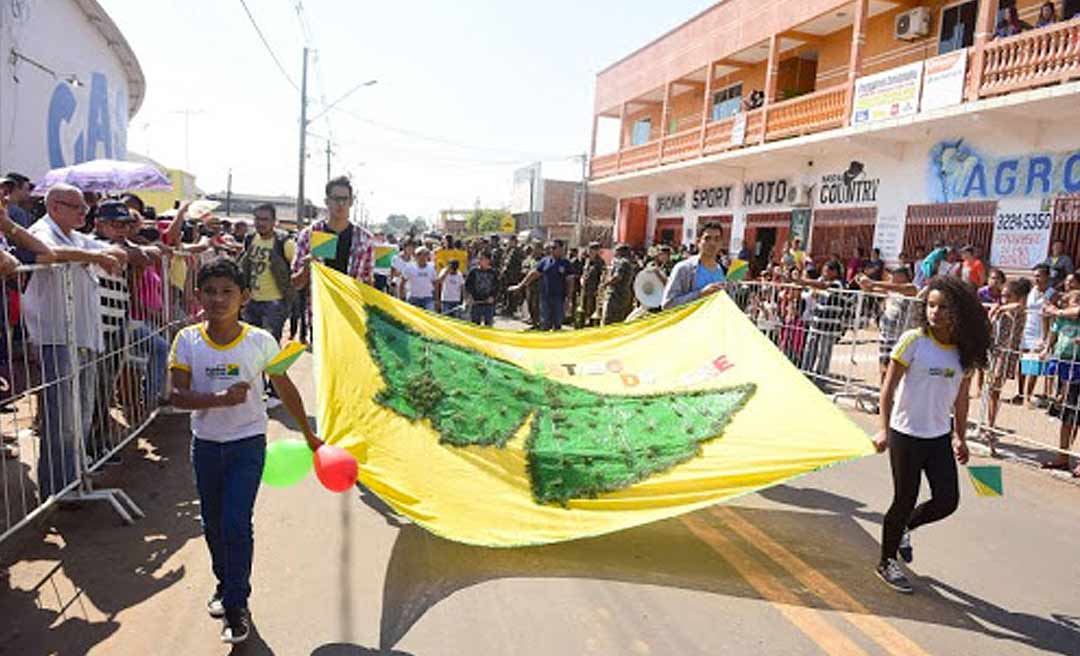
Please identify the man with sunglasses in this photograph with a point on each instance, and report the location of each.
(698, 276)
(355, 255)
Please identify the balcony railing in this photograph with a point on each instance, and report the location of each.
(1044, 56)
(815, 112)
(682, 145)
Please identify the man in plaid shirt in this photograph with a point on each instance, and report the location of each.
(355, 248)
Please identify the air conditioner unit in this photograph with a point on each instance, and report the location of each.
(912, 24)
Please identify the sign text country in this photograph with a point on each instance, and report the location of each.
(857, 191)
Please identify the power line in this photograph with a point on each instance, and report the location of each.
(267, 44)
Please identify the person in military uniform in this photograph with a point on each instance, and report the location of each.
(532, 292)
(577, 268)
(620, 286)
(593, 272)
(512, 273)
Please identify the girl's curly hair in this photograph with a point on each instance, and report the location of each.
(970, 325)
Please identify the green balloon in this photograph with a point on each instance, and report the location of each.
(287, 462)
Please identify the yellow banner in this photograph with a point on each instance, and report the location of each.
(444, 256)
(503, 439)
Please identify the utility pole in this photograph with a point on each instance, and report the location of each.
(187, 133)
(300, 205)
(328, 153)
(583, 201)
(228, 195)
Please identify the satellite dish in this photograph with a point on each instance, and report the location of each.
(649, 288)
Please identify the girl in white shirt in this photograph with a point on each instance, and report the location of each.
(924, 408)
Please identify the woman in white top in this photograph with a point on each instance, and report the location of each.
(1036, 325)
(451, 283)
(924, 408)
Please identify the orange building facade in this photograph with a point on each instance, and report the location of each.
(835, 117)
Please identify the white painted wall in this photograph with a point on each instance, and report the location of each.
(88, 121)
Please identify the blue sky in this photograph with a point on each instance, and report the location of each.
(481, 86)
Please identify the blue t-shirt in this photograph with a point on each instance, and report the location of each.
(553, 276)
(705, 277)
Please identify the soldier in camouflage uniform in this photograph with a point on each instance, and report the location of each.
(620, 286)
(512, 273)
(590, 284)
(532, 292)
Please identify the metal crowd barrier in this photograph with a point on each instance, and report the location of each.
(846, 353)
(66, 411)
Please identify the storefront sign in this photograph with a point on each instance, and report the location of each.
(738, 130)
(943, 83)
(1021, 233)
(889, 94)
(670, 203)
(889, 236)
(957, 171)
(850, 187)
(711, 198)
(800, 225)
(768, 192)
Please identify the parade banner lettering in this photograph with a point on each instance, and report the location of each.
(1021, 233)
(503, 438)
(889, 94)
(943, 80)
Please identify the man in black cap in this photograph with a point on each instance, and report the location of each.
(16, 188)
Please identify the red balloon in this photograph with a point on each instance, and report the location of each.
(335, 468)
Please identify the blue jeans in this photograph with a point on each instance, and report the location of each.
(450, 307)
(268, 315)
(56, 454)
(552, 312)
(483, 314)
(227, 475)
(427, 303)
(153, 346)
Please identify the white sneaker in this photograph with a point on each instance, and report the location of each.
(907, 554)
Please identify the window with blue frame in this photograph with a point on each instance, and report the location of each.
(641, 132)
(727, 102)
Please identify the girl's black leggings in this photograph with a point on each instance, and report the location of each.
(910, 457)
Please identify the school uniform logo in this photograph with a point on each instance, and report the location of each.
(223, 371)
(947, 372)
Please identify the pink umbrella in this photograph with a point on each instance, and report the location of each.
(106, 175)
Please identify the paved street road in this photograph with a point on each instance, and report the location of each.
(787, 571)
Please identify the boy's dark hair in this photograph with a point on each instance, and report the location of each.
(711, 225)
(971, 326)
(1019, 287)
(268, 207)
(340, 181)
(1041, 268)
(222, 268)
(485, 254)
(835, 267)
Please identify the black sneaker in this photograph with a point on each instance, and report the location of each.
(893, 576)
(236, 627)
(907, 554)
(215, 607)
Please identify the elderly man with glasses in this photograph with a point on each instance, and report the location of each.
(46, 317)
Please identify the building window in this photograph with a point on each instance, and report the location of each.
(958, 26)
(726, 102)
(641, 132)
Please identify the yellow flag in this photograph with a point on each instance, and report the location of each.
(502, 438)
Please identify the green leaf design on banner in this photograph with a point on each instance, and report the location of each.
(581, 443)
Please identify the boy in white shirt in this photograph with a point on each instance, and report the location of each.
(217, 371)
(417, 284)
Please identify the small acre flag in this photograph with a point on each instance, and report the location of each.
(503, 439)
(987, 480)
(738, 270)
(384, 256)
(285, 359)
(444, 256)
(324, 245)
